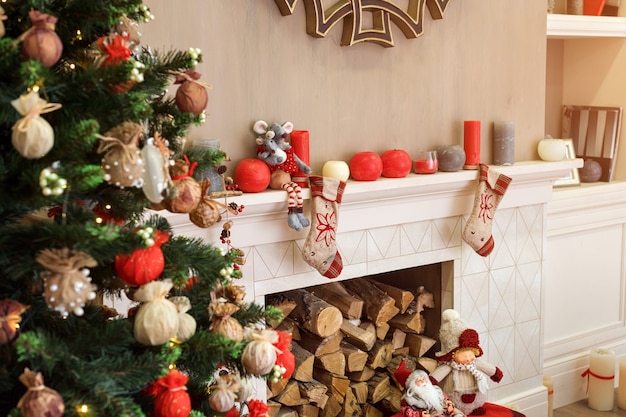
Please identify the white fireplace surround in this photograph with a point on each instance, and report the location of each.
(392, 224)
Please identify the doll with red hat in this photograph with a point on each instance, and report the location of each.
(463, 377)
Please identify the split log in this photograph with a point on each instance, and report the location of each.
(367, 325)
(409, 322)
(282, 303)
(380, 355)
(379, 307)
(319, 346)
(291, 327)
(314, 314)
(308, 410)
(315, 392)
(276, 387)
(419, 344)
(357, 336)
(287, 412)
(370, 411)
(378, 387)
(381, 330)
(391, 403)
(365, 375)
(335, 363)
(425, 299)
(337, 385)
(402, 297)
(360, 391)
(398, 339)
(332, 409)
(350, 406)
(428, 364)
(355, 357)
(336, 294)
(404, 350)
(290, 396)
(304, 363)
(273, 408)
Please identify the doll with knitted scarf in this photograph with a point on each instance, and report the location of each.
(460, 374)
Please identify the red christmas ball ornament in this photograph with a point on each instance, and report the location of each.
(396, 163)
(284, 357)
(191, 96)
(172, 399)
(143, 265)
(366, 166)
(41, 42)
(252, 175)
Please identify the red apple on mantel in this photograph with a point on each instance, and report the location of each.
(252, 175)
(366, 166)
(396, 163)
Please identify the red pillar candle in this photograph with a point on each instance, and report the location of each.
(471, 143)
(300, 145)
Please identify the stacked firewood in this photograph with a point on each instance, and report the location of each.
(348, 339)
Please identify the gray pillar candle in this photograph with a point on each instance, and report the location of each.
(503, 143)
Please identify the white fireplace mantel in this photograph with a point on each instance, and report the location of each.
(393, 224)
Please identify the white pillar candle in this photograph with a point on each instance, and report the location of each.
(621, 390)
(601, 379)
(336, 169)
(549, 384)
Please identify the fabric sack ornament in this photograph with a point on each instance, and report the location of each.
(3, 17)
(10, 319)
(156, 320)
(223, 393)
(223, 323)
(208, 211)
(67, 286)
(32, 136)
(41, 42)
(173, 399)
(143, 265)
(122, 163)
(186, 192)
(191, 95)
(187, 324)
(259, 355)
(39, 400)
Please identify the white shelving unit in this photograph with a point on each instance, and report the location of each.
(564, 26)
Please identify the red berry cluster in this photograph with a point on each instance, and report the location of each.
(236, 207)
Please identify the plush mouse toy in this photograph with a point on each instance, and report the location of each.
(277, 153)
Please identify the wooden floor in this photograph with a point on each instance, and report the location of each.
(580, 409)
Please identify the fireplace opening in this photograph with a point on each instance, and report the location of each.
(350, 336)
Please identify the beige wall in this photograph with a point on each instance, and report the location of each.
(485, 60)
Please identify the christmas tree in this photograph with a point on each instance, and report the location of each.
(92, 151)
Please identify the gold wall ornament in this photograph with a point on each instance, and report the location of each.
(320, 20)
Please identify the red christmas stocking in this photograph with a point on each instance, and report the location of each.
(491, 188)
(320, 248)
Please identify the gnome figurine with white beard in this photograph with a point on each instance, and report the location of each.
(423, 399)
(463, 377)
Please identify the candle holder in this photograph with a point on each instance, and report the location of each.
(426, 162)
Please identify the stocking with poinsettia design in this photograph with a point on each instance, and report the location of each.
(320, 248)
(491, 188)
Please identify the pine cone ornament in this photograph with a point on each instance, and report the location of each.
(67, 286)
(10, 319)
(122, 163)
(191, 95)
(156, 320)
(39, 400)
(41, 42)
(32, 136)
(186, 193)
